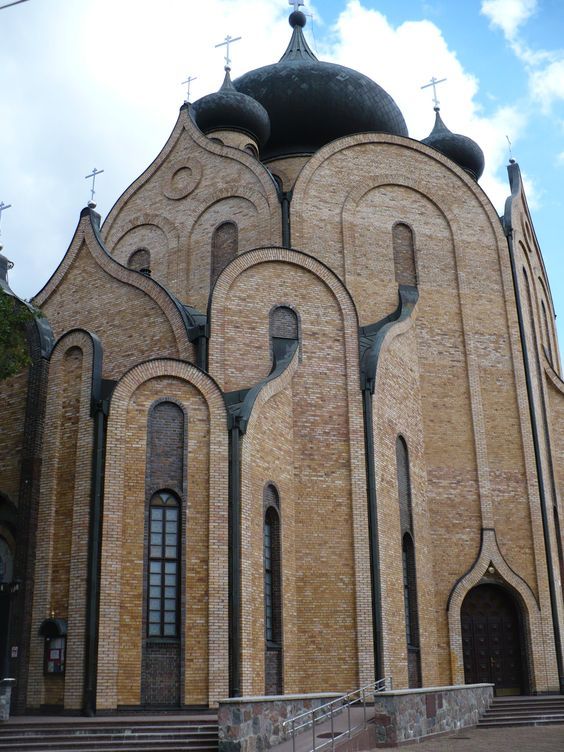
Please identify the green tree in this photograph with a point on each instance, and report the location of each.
(14, 351)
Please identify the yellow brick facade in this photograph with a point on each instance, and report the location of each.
(450, 379)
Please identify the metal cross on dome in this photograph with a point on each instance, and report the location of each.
(296, 4)
(93, 176)
(227, 43)
(434, 83)
(3, 207)
(188, 83)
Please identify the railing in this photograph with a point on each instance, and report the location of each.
(334, 711)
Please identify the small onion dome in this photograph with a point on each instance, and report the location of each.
(461, 149)
(230, 110)
(311, 103)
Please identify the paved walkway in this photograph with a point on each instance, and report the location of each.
(526, 739)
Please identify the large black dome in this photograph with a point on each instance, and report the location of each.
(311, 103)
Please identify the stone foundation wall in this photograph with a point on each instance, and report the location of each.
(411, 714)
(254, 724)
(5, 696)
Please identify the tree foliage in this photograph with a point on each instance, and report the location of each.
(14, 350)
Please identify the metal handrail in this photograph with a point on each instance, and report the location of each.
(311, 718)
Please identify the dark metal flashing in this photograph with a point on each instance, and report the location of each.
(101, 391)
(515, 183)
(45, 336)
(240, 403)
(370, 342)
(372, 336)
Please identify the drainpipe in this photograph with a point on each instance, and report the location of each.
(234, 556)
(100, 409)
(538, 463)
(377, 631)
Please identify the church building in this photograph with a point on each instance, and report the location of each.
(293, 421)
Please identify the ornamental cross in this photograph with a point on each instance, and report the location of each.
(434, 83)
(188, 83)
(228, 42)
(93, 176)
(3, 207)
(296, 4)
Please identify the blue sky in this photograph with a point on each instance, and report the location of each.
(98, 83)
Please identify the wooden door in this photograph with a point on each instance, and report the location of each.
(491, 640)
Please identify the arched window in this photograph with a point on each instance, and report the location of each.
(165, 479)
(140, 260)
(272, 592)
(225, 244)
(410, 605)
(404, 485)
(546, 332)
(164, 560)
(283, 323)
(404, 255)
(408, 564)
(558, 532)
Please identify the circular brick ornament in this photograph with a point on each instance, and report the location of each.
(182, 179)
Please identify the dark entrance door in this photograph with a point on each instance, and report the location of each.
(491, 640)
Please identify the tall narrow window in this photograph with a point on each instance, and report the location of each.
(404, 255)
(165, 479)
(558, 532)
(272, 593)
(408, 564)
(225, 244)
(163, 565)
(284, 331)
(546, 332)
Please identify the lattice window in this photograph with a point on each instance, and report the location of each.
(164, 565)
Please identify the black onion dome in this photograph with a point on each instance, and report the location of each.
(229, 109)
(461, 149)
(311, 103)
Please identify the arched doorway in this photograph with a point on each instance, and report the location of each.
(492, 642)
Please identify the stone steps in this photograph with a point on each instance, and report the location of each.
(108, 735)
(524, 711)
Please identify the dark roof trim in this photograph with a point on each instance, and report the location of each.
(372, 337)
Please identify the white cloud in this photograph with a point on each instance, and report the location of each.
(545, 67)
(509, 15)
(355, 32)
(560, 158)
(547, 84)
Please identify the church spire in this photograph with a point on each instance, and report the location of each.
(298, 49)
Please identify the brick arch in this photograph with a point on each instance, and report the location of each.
(341, 144)
(490, 553)
(114, 496)
(247, 260)
(345, 308)
(258, 200)
(55, 460)
(87, 238)
(148, 218)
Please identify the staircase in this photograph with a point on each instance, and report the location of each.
(542, 710)
(111, 734)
